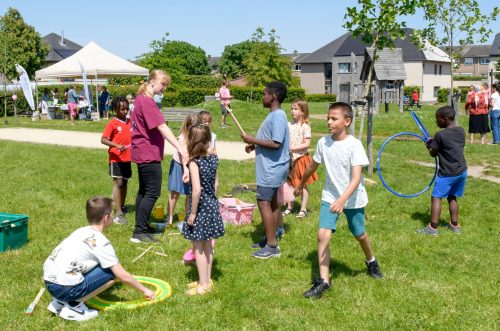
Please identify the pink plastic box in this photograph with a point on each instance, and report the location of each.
(235, 211)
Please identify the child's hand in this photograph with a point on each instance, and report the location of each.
(337, 206)
(122, 148)
(191, 218)
(185, 176)
(249, 148)
(148, 294)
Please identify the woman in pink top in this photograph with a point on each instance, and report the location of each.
(148, 134)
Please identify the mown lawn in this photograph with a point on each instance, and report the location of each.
(444, 283)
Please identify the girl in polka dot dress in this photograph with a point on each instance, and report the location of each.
(204, 221)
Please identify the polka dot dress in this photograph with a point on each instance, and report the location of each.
(208, 222)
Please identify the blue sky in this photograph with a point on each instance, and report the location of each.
(127, 27)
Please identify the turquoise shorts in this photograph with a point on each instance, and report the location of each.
(355, 219)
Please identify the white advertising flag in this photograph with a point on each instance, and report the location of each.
(25, 85)
(85, 84)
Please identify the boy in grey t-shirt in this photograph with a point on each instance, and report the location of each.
(272, 159)
(344, 158)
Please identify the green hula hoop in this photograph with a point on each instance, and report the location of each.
(162, 292)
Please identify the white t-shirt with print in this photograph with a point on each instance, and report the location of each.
(298, 133)
(339, 157)
(79, 253)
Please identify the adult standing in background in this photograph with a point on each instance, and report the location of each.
(225, 102)
(495, 113)
(158, 98)
(72, 103)
(149, 132)
(103, 102)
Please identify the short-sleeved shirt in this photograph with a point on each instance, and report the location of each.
(339, 158)
(450, 143)
(72, 96)
(495, 101)
(118, 131)
(299, 132)
(147, 142)
(272, 164)
(225, 96)
(79, 253)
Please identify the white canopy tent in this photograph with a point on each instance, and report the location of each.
(97, 62)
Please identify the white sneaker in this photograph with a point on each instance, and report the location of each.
(77, 313)
(55, 306)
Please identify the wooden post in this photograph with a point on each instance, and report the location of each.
(369, 133)
(400, 97)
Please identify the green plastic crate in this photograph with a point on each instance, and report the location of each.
(13, 231)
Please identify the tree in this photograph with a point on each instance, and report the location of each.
(377, 22)
(178, 58)
(231, 62)
(264, 62)
(460, 21)
(20, 44)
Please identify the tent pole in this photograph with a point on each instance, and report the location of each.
(97, 96)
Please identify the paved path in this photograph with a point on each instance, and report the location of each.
(225, 150)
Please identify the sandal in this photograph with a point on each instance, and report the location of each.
(286, 212)
(198, 290)
(301, 214)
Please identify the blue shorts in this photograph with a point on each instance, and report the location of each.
(266, 193)
(449, 186)
(92, 280)
(355, 219)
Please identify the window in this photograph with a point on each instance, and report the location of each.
(344, 68)
(435, 69)
(468, 60)
(484, 60)
(436, 91)
(440, 69)
(297, 67)
(328, 71)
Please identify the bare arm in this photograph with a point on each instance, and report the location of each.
(195, 191)
(251, 140)
(107, 142)
(309, 171)
(338, 205)
(125, 277)
(169, 136)
(304, 145)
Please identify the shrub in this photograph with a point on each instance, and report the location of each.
(191, 97)
(409, 89)
(170, 99)
(208, 82)
(443, 94)
(321, 97)
(475, 78)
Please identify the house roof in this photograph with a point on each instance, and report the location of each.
(59, 51)
(477, 51)
(389, 64)
(345, 44)
(495, 47)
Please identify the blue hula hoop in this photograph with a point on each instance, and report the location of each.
(402, 195)
(422, 128)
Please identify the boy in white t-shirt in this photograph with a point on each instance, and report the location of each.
(344, 158)
(85, 264)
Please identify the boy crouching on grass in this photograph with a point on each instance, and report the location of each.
(344, 158)
(84, 265)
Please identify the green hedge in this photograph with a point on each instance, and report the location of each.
(443, 94)
(409, 89)
(321, 97)
(475, 78)
(194, 96)
(202, 82)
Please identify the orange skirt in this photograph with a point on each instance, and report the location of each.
(299, 167)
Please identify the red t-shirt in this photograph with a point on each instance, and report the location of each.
(415, 96)
(118, 132)
(147, 141)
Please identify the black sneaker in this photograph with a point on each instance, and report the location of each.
(138, 238)
(151, 230)
(374, 269)
(316, 291)
(125, 210)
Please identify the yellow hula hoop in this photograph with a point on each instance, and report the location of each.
(162, 292)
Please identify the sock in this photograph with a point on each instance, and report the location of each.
(434, 225)
(272, 246)
(371, 260)
(454, 223)
(73, 303)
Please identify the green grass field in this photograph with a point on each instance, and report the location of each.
(444, 283)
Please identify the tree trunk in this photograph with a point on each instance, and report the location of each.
(369, 134)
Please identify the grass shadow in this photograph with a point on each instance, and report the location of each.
(336, 267)
(192, 272)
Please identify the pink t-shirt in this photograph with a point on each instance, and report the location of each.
(147, 142)
(225, 96)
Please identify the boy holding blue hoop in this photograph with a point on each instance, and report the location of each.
(448, 146)
(344, 158)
